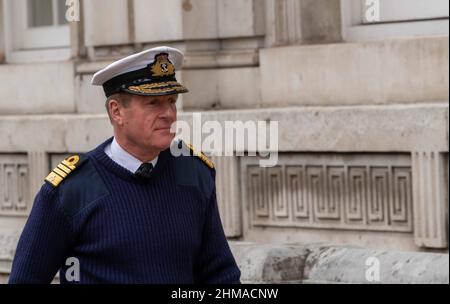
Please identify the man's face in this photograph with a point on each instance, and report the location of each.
(146, 121)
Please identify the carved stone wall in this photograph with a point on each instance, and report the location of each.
(332, 191)
(14, 184)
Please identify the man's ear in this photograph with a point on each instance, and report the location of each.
(115, 111)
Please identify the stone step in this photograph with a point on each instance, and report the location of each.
(313, 263)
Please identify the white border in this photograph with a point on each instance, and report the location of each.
(352, 32)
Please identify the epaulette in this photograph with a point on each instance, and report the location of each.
(202, 156)
(64, 168)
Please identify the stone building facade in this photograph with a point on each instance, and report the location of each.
(361, 105)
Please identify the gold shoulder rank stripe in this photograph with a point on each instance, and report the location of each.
(62, 170)
(202, 156)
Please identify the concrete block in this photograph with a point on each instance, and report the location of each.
(37, 88)
(247, 21)
(239, 88)
(203, 89)
(85, 132)
(310, 263)
(261, 264)
(224, 88)
(106, 22)
(189, 19)
(380, 72)
(199, 19)
(362, 266)
(150, 14)
(90, 99)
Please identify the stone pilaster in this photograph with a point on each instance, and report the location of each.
(430, 197)
(38, 169)
(227, 184)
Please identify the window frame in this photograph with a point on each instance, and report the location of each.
(354, 28)
(39, 44)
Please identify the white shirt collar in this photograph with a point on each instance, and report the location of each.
(123, 158)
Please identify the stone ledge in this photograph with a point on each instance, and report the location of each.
(311, 263)
(193, 60)
(393, 128)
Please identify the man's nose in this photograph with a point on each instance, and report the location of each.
(169, 111)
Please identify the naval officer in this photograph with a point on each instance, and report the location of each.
(130, 211)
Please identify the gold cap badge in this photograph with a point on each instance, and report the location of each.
(162, 66)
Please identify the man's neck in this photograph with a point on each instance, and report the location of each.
(141, 154)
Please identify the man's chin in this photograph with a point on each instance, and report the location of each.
(163, 142)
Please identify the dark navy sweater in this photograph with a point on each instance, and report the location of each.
(125, 229)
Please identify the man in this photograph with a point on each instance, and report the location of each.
(130, 211)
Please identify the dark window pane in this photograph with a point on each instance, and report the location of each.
(62, 8)
(40, 13)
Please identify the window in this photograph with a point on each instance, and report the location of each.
(36, 30)
(397, 18)
(46, 13)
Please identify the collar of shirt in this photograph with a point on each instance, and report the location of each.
(123, 158)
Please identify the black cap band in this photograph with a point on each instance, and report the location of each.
(142, 76)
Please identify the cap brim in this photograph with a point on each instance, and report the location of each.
(156, 89)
